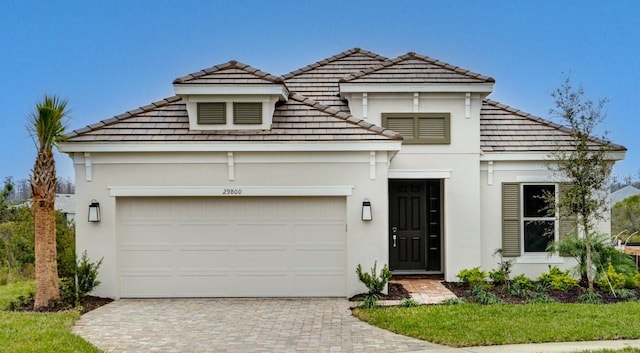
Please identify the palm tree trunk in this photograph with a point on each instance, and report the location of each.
(43, 184)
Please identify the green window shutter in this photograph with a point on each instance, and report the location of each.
(420, 128)
(247, 113)
(511, 219)
(403, 126)
(434, 129)
(568, 222)
(212, 113)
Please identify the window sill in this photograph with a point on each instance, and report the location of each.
(539, 259)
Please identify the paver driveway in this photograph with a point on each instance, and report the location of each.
(238, 325)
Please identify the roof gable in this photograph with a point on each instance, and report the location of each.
(415, 68)
(232, 72)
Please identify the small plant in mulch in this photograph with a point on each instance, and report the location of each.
(554, 286)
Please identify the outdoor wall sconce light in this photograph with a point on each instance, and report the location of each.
(366, 210)
(94, 211)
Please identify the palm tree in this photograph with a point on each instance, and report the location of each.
(46, 126)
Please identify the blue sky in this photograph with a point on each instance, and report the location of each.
(107, 57)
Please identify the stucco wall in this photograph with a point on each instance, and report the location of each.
(366, 241)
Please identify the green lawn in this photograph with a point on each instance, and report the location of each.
(37, 332)
(12, 291)
(475, 325)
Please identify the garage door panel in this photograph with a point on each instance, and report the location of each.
(263, 285)
(244, 246)
(145, 259)
(146, 285)
(203, 233)
(206, 284)
(260, 233)
(318, 284)
(256, 259)
(204, 258)
(147, 233)
(320, 233)
(332, 259)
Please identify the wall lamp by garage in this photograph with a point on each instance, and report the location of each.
(366, 210)
(94, 211)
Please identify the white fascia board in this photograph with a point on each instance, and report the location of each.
(230, 147)
(185, 89)
(418, 174)
(536, 156)
(229, 191)
(420, 87)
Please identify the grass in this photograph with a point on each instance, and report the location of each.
(624, 350)
(482, 325)
(12, 291)
(37, 332)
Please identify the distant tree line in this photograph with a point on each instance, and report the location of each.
(20, 190)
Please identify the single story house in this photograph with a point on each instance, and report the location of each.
(246, 184)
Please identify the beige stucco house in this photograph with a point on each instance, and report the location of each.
(248, 184)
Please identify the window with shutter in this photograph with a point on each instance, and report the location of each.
(527, 224)
(247, 113)
(420, 128)
(212, 113)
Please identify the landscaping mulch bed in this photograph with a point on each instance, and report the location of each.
(571, 296)
(87, 304)
(396, 292)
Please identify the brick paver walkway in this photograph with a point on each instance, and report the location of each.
(238, 325)
(425, 290)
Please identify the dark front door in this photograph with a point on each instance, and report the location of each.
(415, 225)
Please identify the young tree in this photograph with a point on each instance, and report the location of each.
(585, 166)
(46, 126)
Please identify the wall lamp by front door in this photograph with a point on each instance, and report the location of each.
(366, 210)
(94, 211)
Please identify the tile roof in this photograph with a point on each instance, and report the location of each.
(415, 68)
(232, 72)
(505, 129)
(314, 111)
(298, 119)
(319, 81)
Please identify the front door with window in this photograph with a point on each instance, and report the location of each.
(415, 225)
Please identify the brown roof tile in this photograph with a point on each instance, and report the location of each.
(319, 80)
(506, 129)
(415, 68)
(298, 119)
(232, 72)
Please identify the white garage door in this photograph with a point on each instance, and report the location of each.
(231, 246)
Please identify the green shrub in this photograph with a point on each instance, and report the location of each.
(632, 281)
(482, 296)
(543, 298)
(498, 277)
(611, 279)
(517, 290)
(408, 303)
(624, 293)
(558, 280)
(68, 292)
(21, 302)
(374, 282)
(541, 287)
(523, 281)
(590, 298)
(473, 278)
(454, 301)
(87, 274)
(370, 302)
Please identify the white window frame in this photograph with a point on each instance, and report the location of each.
(523, 219)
